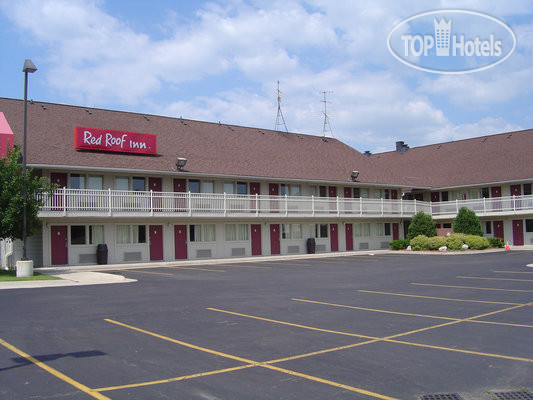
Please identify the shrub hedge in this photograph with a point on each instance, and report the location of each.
(419, 243)
(436, 242)
(399, 244)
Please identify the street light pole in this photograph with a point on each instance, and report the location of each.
(29, 67)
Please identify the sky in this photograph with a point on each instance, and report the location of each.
(221, 61)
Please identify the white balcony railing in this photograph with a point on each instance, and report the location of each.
(80, 202)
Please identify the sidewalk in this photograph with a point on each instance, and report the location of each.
(68, 278)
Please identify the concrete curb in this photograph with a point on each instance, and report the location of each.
(68, 279)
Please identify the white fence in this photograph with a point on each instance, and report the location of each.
(80, 202)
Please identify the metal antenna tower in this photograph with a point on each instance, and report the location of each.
(280, 120)
(326, 118)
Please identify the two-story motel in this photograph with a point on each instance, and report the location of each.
(156, 188)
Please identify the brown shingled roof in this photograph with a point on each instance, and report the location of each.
(210, 148)
(495, 158)
(220, 149)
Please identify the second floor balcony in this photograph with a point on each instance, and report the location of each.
(119, 203)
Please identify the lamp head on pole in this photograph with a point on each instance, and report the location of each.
(29, 66)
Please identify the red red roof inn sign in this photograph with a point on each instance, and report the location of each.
(116, 141)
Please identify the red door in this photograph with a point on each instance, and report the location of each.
(156, 242)
(347, 194)
(349, 236)
(180, 242)
(394, 194)
(156, 186)
(255, 188)
(496, 191)
(256, 239)
(334, 237)
(60, 179)
(435, 197)
(498, 229)
(395, 231)
(516, 190)
(274, 239)
(59, 241)
(180, 186)
(332, 192)
(518, 232)
(273, 190)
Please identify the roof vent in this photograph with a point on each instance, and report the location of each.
(401, 147)
(367, 153)
(146, 118)
(509, 135)
(43, 107)
(484, 139)
(229, 127)
(88, 111)
(261, 132)
(325, 140)
(439, 146)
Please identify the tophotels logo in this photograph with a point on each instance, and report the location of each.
(427, 42)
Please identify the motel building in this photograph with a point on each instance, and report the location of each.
(157, 188)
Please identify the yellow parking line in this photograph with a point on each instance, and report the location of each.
(331, 383)
(244, 266)
(514, 272)
(472, 287)
(438, 298)
(251, 363)
(290, 323)
(414, 315)
(55, 372)
(477, 353)
(374, 310)
(199, 269)
(176, 379)
(185, 344)
(495, 279)
(149, 272)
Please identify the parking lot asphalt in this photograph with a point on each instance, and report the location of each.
(384, 326)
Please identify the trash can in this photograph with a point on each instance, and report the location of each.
(311, 246)
(101, 254)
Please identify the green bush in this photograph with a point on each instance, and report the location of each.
(421, 224)
(454, 242)
(436, 242)
(419, 242)
(496, 242)
(467, 222)
(477, 242)
(399, 244)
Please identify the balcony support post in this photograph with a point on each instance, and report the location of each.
(225, 205)
(256, 205)
(189, 205)
(313, 205)
(109, 201)
(151, 203)
(64, 201)
(338, 209)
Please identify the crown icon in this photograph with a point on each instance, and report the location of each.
(442, 36)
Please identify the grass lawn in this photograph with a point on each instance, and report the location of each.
(6, 276)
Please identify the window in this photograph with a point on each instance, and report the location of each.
(364, 193)
(485, 192)
(473, 194)
(96, 234)
(236, 232)
(138, 184)
(202, 233)
(322, 191)
(447, 225)
(128, 234)
(77, 181)
(194, 186)
(122, 183)
(291, 231)
(527, 189)
(488, 227)
(444, 196)
(95, 182)
(382, 229)
(228, 188)
(529, 225)
(296, 190)
(208, 187)
(362, 229)
(319, 230)
(77, 234)
(291, 190)
(356, 193)
(242, 188)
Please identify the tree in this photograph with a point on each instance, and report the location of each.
(421, 224)
(467, 222)
(11, 201)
